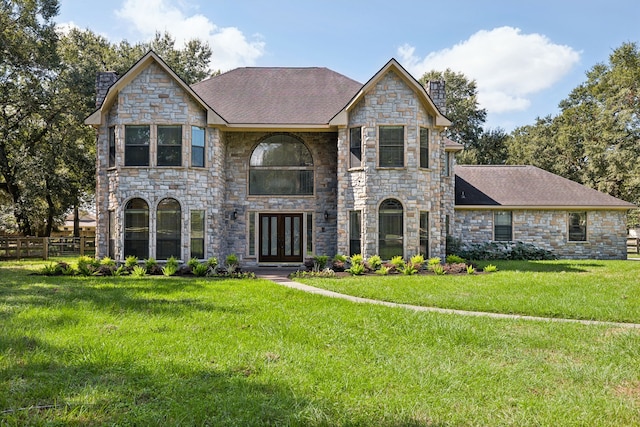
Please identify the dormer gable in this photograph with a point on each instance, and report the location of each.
(97, 118)
(393, 66)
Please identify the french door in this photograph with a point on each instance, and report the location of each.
(280, 237)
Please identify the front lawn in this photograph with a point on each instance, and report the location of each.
(595, 290)
(188, 351)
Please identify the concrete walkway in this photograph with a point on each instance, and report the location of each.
(280, 276)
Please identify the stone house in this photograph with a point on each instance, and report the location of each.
(278, 164)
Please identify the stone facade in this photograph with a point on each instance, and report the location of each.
(154, 96)
(239, 146)
(392, 102)
(548, 229)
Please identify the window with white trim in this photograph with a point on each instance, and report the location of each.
(391, 146)
(355, 147)
(390, 229)
(577, 226)
(136, 145)
(502, 227)
(170, 145)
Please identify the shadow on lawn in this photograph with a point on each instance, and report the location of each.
(94, 388)
(99, 390)
(160, 296)
(545, 266)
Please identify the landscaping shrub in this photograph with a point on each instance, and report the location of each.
(454, 259)
(397, 262)
(453, 245)
(320, 262)
(87, 265)
(200, 270)
(457, 268)
(338, 263)
(375, 262)
(131, 261)
(356, 269)
(516, 251)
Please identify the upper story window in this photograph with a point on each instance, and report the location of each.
(170, 145)
(502, 228)
(136, 141)
(424, 148)
(197, 146)
(447, 163)
(355, 147)
(112, 146)
(391, 146)
(577, 226)
(281, 165)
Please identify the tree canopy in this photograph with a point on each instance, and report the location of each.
(595, 139)
(47, 89)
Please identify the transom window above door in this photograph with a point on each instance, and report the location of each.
(281, 165)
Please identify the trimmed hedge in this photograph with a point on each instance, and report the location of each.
(517, 251)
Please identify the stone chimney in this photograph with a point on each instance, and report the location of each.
(438, 94)
(104, 80)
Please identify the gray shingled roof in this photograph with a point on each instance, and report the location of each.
(515, 186)
(270, 96)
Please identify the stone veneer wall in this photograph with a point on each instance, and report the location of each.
(606, 231)
(239, 146)
(392, 102)
(153, 98)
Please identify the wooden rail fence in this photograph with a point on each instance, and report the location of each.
(633, 245)
(45, 247)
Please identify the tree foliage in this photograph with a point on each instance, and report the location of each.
(595, 140)
(28, 65)
(467, 120)
(47, 89)
(462, 108)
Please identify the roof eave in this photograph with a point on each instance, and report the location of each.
(545, 207)
(270, 127)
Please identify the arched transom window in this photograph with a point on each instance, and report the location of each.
(168, 229)
(136, 228)
(281, 165)
(391, 229)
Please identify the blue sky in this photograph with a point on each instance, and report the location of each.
(525, 55)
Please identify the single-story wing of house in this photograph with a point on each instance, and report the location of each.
(531, 205)
(276, 164)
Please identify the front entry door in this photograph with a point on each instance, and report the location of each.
(280, 238)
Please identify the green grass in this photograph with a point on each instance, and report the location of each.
(177, 351)
(594, 290)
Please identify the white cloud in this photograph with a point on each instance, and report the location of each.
(230, 46)
(508, 66)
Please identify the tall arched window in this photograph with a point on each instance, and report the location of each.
(281, 165)
(168, 229)
(391, 229)
(136, 229)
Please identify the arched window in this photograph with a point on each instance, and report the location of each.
(168, 229)
(281, 165)
(391, 229)
(136, 229)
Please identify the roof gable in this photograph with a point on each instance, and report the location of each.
(96, 118)
(394, 66)
(278, 95)
(525, 187)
